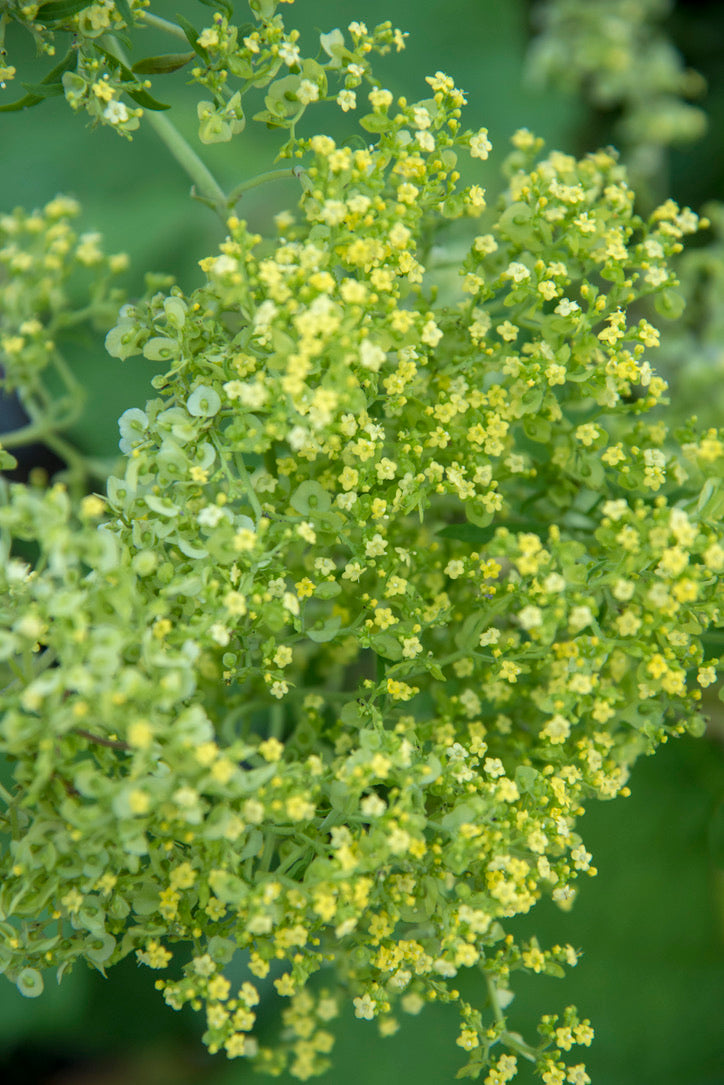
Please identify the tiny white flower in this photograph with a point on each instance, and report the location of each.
(116, 113)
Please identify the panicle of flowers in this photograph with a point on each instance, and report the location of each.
(384, 592)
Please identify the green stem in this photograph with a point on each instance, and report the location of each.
(5, 796)
(246, 483)
(269, 849)
(209, 188)
(493, 998)
(163, 24)
(270, 175)
(112, 743)
(69, 379)
(516, 1043)
(202, 177)
(24, 435)
(276, 727)
(75, 459)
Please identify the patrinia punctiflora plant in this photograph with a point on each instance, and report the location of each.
(386, 590)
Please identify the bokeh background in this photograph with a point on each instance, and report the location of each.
(651, 925)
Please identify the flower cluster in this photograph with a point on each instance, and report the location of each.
(44, 266)
(386, 591)
(614, 53)
(97, 78)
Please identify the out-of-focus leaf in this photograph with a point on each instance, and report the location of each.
(57, 11)
(163, 64)
(51, 80)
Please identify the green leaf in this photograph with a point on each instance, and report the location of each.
(310, 497)
(670, 303)
(352, 713)
(263, 8)
(375, 123)
(387, 646)
(7, 460)
(328, 589)
(332, 42)
(326, 631)
(100, 946)
(710, 505)
(531, 400)
(125, 11)
(49, 80)
(221, 949)
(58, 11)
(271, 120)
(252, 847)
(514, 223)
(43, 90)
(192, 36)
(467, 636)
(281, 99)
(163, 64)
(228, 887)
(224, 5)
(141, 96)
(525, 777)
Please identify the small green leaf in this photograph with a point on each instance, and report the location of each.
(223, 5)
(263, 8)
(333, 43)
(326, 631)
(125, 12)
(525, 777)
(141, 96)
(228, 887)
(310, 497)
(99, 947)
(163, 64)
(7, 460)
(387, 646)
(328, 589)
(352, 713)
(670, 303)
(49, 80)
(192, 36)
(221, 949)
(514, 223)
(375, 122)
(43, 90)
(58, 11)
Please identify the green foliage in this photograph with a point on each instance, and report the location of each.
(394, 578)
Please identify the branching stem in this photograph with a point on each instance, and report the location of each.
(100, 740)
(187, 158)
(202, 177)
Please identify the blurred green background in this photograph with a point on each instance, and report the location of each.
(651, 925)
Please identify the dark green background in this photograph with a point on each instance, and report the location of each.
(651, 925)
